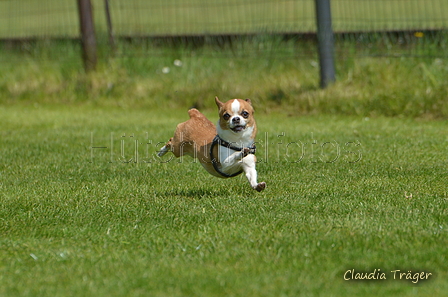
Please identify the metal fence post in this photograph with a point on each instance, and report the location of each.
(87, 34)
(325, 42)
(110, 30)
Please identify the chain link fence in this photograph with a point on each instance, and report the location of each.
(379, 27)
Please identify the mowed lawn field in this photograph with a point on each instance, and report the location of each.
(345, 194)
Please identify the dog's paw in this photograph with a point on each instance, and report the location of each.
(245, 152)
(260, 187)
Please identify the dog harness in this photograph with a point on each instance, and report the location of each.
(220, 141)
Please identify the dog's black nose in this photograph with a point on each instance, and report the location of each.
(236, 120)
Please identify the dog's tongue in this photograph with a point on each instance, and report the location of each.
(238, 128)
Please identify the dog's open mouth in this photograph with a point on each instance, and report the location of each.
(238, 128)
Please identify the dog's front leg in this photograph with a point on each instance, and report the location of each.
(248, 163)
(231, 161)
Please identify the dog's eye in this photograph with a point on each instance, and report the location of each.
(226, 116)
(245, 114)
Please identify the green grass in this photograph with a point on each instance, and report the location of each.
(71, 227)
(280, 75)
(355, 173)
(29, 18)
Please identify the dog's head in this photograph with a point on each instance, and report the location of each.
(236, 114)
(236, 118)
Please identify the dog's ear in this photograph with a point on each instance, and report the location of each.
(248, 101)
(218, 103)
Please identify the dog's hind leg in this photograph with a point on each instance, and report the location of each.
(166, 148)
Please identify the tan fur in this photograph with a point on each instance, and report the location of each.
(194, 138)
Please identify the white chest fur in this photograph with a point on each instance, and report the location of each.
(241, 139)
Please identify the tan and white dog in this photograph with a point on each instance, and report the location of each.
(225, 150)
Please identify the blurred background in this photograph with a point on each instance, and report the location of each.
(209, 38)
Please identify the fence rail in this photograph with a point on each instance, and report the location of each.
(59, 18)
(386, 25)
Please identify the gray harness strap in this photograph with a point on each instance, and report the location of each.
(220, 141)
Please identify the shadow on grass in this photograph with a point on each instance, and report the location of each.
(195, 193)
(281, 95)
